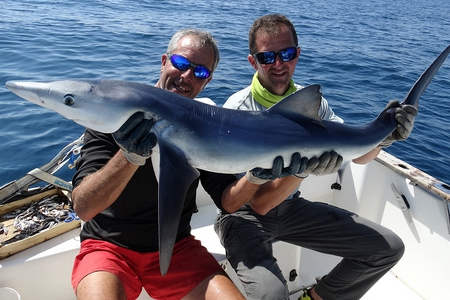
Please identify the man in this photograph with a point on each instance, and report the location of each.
(272, 211)
(116, 194)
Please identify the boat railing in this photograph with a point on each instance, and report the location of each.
(21, 187)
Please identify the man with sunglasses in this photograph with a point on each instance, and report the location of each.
(272, 210)
(116, 193)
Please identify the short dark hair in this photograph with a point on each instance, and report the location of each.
(270, 24)
(204, 39)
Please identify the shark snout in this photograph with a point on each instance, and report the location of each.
(12, 85)
(27, 89)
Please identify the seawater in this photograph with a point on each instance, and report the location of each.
(362, 53)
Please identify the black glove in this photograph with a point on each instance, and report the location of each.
(135, 138)
(405, 115)
(260, 175)
(328, 162)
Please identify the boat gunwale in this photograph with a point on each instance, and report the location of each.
(416, 176)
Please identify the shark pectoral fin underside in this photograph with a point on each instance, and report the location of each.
(424, 80)
(175, 178)
(304, 102)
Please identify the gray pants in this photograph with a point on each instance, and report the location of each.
(368, 250)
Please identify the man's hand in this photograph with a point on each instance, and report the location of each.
(328, 162)
(260, 175)
(135, 138)
(404, 115)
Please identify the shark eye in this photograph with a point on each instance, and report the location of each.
(69, 99)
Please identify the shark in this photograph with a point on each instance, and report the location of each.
(193, 135)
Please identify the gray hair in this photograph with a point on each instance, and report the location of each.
(204, 39)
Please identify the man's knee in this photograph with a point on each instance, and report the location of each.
(392, 250)
(216, 286)
(263, 281)
(397, 248)
(266, 287)
(101, 285)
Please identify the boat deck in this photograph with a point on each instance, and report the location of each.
(43, 271)
(388, 287)
(57, 256)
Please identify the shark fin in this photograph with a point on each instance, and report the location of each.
(420, 85)
(175, 178)
(424, 80)
(305, 102)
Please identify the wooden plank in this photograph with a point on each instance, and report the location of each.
(6, 208)
(417, 177)
(30, 241)
(12, 248)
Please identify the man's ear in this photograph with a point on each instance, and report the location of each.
(252, 61)
(164, 58)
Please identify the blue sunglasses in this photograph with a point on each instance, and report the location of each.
(182, 64)
(269, 57)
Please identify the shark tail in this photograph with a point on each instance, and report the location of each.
(424, 80)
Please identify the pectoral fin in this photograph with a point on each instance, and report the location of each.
(175, 178)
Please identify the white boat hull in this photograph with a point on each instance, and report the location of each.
(43, 271)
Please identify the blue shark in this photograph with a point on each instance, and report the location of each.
(193, 135)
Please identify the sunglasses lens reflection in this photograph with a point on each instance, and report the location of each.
(182, 64)
(269, 57)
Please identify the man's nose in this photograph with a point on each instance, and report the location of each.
(188, 74)
(278, 60)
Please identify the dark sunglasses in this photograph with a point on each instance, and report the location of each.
(269, 57)
(182, 64)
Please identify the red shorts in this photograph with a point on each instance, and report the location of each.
(191, 263)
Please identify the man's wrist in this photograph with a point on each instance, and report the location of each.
(255, 180)
(301, 175)
(385, 144)
(134, 158)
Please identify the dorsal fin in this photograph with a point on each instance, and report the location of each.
(305, 102)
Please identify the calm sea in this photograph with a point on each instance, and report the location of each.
(363, 53)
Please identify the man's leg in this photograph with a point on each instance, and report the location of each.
(100, 286)
(369, 250)
(249, 250)
(193, 274)
(216, 286)
(101, 271)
